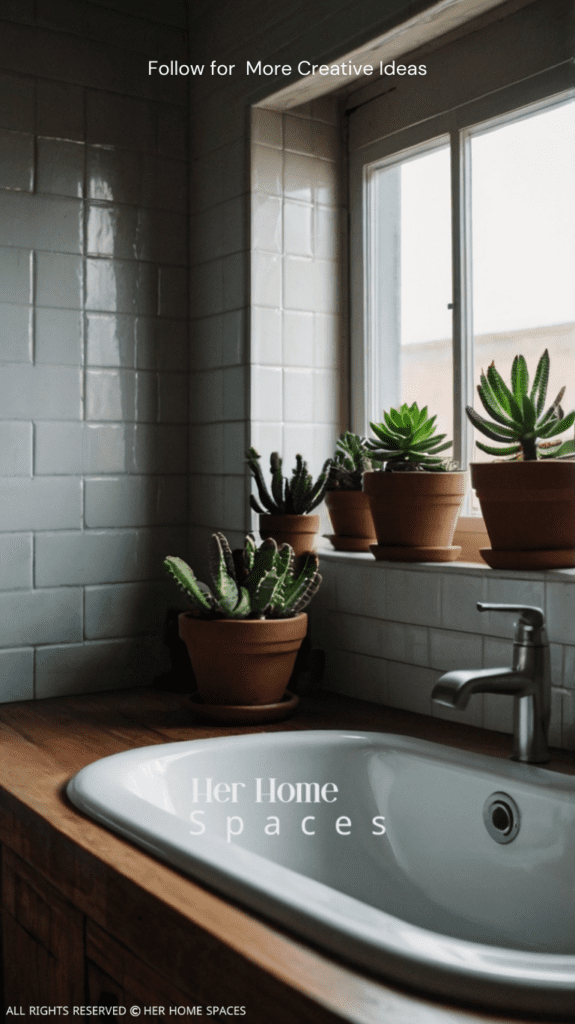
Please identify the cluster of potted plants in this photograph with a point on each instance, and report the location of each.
(243, 633)
(397, 494)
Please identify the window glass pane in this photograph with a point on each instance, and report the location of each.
(523, 249)
(413, 284)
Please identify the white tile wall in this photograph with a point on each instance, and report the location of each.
(295, 269)
(93, 343)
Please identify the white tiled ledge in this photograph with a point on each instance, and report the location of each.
(390, 629)
(326, 552)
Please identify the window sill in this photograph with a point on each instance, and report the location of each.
(472, 567)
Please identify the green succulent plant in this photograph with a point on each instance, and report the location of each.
(294, 497)
(518, 421)
(254, 583)
(350, 462)
(407, 440)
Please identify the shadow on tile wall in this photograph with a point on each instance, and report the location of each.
(93, 342)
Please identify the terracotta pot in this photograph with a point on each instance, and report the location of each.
(529, 509)
(351, 520)
(299, 531)
(242, 661)
(415, 514)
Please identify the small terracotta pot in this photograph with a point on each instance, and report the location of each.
(528, 507)
(242, 661)
(351, 520)
(415, 514)
(299, 531)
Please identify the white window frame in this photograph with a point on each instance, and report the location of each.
(541, 91)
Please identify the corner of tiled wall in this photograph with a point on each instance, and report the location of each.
(93, 345)
(219, 356)
(297, 262)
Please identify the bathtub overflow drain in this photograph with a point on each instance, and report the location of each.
(501, 817)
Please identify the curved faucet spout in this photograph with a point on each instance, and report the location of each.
(455, 688)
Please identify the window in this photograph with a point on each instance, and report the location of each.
(463, 237)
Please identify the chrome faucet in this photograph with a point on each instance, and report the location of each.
(528, 680)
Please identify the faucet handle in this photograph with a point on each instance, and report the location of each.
(530, 617)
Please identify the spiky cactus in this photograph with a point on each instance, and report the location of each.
(407, 440)
(294, 497)
(350, 462)
(257, 583)
(517, 415)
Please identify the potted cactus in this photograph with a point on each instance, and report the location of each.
(243, 633)
(528, 499)
(285, 510)
(346, 502)
(415, 500)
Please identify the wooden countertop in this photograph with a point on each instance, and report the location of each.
(43, 743)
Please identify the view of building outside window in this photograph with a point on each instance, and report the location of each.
(523, 258)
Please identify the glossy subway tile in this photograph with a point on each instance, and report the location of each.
(60, 167)
(23, 618)
(113, 175)
(172, 292)
(59, 280)
(40, 222)
(134, 501)
(72, 558)
(112, 231)
(173, 389)
(16, 275)
(146, 402)
(124, 609)
(60, 110)
(97, 665)
(111, 339)
(40, 392)
(76, 448)
(16, 333)
(17, 94)
(121, 286)
(114, 120)
(58, 336)
(15, 448)
(44, 503)
(160, 448)
(16, 560)
(111, 395)
(16, 161)
(16, 674)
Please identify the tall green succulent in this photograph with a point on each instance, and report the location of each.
(407, 440)
(294, 497)
(517, 414)
(350, 462)
(257, 583)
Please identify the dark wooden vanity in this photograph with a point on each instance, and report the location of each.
(91, 921)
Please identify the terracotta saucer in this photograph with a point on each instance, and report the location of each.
(348, 543)
(552, 559)
(382, 553)
(246, 714)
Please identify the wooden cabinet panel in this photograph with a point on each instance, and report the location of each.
(43, 940)
(113, 968)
